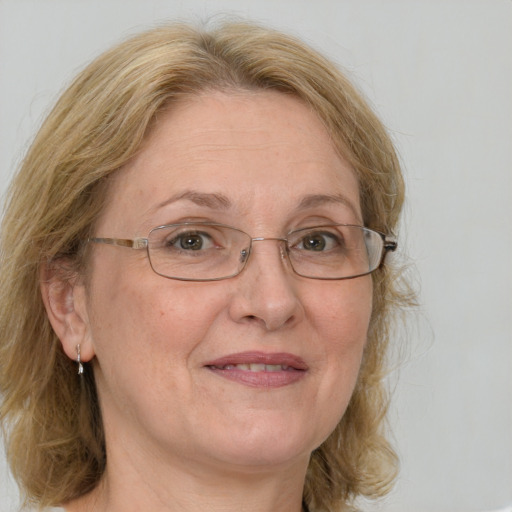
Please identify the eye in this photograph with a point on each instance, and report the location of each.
(191, 241)
(319, 241)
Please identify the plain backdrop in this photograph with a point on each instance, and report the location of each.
(440, 75)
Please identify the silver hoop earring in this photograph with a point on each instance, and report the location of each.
(79, 361)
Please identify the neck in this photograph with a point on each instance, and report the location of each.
(193, 489)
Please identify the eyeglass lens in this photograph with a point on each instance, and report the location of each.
(206, 251)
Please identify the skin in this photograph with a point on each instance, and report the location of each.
(179, 436)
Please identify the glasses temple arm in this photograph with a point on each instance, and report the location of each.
(137, 243)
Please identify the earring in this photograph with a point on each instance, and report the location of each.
(79, 361)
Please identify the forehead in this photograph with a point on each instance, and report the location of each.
(259, 150)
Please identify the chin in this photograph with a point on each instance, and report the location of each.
(270, 447)
(259, 461)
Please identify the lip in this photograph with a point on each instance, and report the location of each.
(294, 368)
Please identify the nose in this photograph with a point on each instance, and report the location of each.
(266, 290)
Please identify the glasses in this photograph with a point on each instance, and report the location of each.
(208, 251)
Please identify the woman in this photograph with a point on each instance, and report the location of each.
(195, 304)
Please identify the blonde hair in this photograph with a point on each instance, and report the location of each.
(51, 418)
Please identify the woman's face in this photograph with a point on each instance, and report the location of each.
(172, 356)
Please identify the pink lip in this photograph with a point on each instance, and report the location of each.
(294, 369)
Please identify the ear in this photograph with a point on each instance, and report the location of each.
(65, 301)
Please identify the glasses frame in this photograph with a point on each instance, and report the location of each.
(389, 244)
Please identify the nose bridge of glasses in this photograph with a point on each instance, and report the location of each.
(245, 253)
(261, 239)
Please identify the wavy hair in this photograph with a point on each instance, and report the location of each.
(51, 419)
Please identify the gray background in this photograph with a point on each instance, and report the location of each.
(440, 75)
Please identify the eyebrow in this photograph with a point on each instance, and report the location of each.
(314, 200)
(216, 201)
(212, 201)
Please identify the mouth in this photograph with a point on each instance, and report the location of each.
(255, 367)
(258, 369)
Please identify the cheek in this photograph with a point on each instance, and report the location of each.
(343, 312)
(146, 337)
(145, 320)
(342, 319)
